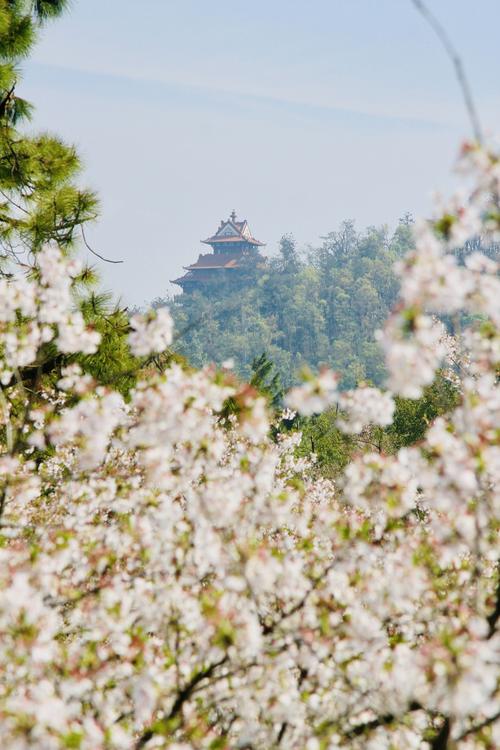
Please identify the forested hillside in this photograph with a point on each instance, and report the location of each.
(321, 306)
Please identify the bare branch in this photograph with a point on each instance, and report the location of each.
(440, 740)
(107, 260)
(13, 203)
(450, 50)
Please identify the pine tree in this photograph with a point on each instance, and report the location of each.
(267, 380)
(39, 200)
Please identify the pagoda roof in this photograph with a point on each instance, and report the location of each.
(232, 231)
(191, 277)
(228, 260)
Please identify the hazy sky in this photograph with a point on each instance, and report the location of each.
(297, 113)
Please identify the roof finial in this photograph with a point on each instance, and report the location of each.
(233, 216)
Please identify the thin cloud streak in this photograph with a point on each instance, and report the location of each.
(253, 97)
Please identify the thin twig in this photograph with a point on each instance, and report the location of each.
(267, 629)
(8, 424)
(477, 727)
(107, 260)
(13, 203)
(450, 50)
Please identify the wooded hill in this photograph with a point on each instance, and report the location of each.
(319, 306)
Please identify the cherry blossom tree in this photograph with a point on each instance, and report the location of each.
(172, 575)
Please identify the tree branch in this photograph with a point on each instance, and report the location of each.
(182, 697)
(450, 50)
(494, 617)
(107, 260)
(267, 629)
(477, 727)
(440, 741)
(379, 721)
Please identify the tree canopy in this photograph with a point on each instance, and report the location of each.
(321, 307)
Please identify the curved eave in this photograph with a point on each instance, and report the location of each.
(233, 240)
(209, 268)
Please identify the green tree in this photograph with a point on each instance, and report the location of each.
(41, 201)
(318, 308)
(412, 417)
(267, 380)
(332, 447)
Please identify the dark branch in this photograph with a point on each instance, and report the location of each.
(3, 496)
(182, 697)
(267, 629)
(281, 733)
(494, 617)
(7, 100)
(90, 249)
(477, 727)
(379, 721)
(440, 741)
(13, 203)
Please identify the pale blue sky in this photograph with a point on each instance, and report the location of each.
(297, 113)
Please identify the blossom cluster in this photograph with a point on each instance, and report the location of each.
(34, 310)
(151, 333)
(173, 575)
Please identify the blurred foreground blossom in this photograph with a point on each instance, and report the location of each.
(173, 574)
(151, 333)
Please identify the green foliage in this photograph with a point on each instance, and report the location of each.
(41, 202)
(39, 199)
(266, 380)
(332, 447)
(112, 364)
(19, 24)
(412, 417)
(323, 308)
(49, 8)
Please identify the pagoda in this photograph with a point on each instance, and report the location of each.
(233, 247)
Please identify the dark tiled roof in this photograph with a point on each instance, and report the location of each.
(215, 261)
(236, 238)
(193, 278)
(233, 258)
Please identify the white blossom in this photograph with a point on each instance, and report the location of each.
(365, 406)
(315, 395)
(174, 577)
(151, 333)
